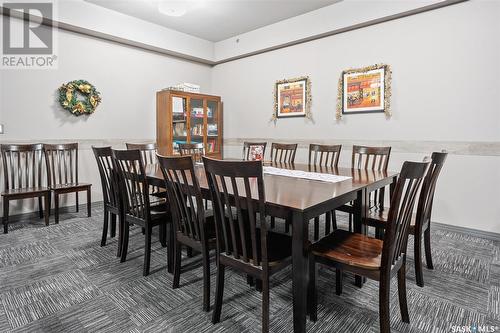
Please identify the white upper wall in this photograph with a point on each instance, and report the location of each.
(337, 16)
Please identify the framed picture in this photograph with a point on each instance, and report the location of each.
(292, 98)
(364, 90)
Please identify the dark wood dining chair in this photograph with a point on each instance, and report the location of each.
(421, 219)
(62, 167)
(324, 158)
(134, 194)
(148, 151)
(369, 158)
(370, 257)
(196, 150)
(243, 241)
(247, 149)
(112, 206)
(283, 152)
(24, 178)
(192, 227)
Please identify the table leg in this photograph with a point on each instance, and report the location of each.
(300, 270)
(360, 213)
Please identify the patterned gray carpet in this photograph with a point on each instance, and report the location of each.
(59, 279)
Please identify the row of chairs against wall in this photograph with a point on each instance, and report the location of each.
(195, 229)
(43, 172)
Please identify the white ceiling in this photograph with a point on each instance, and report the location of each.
(216, 20)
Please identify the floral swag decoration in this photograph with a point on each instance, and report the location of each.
(79, 97)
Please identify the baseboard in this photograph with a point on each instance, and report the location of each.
(469, 231)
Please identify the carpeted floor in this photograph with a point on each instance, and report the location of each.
(59, 279)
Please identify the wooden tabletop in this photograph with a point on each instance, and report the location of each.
(297, 193)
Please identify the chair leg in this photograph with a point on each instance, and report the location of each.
(403, 304)
(121, 233)
(77, 199)
(334, 219)
(265, 305)
(250, 280)
(328, 221)
(189, 252)
(273, 222)
(219, 292)
(206, 279)
(316, 228)
(56, 207)
(47, 208)
(177, 264)
(113, 225)
(350, 222)
(384, 297)
(125, 236)
(417, 250)
(147, 251)
(89, 203)
(339, 280)
(427, 243)
(258, 285)
(287, 225)
(5, 217)
(163, 235)
(312, 296)
(170, 248)
(105, 228)
(40, 207)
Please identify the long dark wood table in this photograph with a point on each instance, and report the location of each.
(300, 200)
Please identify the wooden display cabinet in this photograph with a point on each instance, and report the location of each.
(183, 117)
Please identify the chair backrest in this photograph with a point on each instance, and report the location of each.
(148, 151)
(132, 182)
(283, 152)
(239, 185)
(328, 155)
(104, 158)
(62, 163)
(402, 203)
(426, 198)
(23, 166)
(250, 147)
(370, 158)
(184, 194)
(196, 150)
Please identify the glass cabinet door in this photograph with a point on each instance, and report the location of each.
(179, 122)
(196, 121)
(212, 127)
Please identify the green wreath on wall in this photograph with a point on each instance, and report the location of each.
(79, 97)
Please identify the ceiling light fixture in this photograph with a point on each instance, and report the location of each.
(173, 8)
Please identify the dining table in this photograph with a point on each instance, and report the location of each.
(300, 200)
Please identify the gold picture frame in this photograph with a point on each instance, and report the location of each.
(292, 98)
(365, 90)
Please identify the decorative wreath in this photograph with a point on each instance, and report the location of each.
(79, 97)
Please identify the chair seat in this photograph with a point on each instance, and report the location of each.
(377, 218)
(25, 190)
(350, 249)
(59, 187)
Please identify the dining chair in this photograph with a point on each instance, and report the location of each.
(192, 227)
(324, 158)
(134, 195)
(421, 220)
(148, 154)
(249, 147)
(283, 152)
(373, 258)
(62, 168)
(369, 158)
(111, 203)
(197, 150)
(243, 241)
(24, 178)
